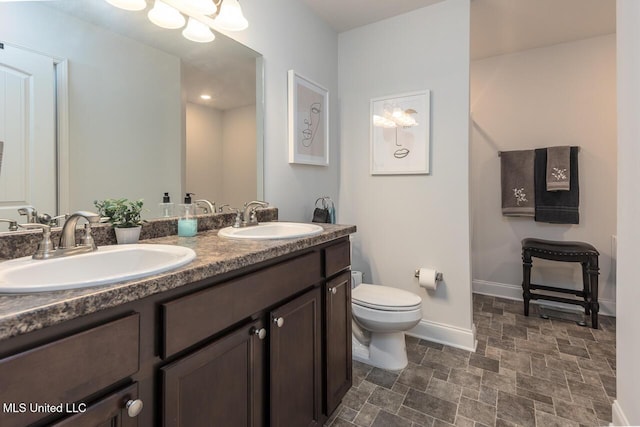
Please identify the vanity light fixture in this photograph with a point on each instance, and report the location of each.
(128, 4)
(205, 97)
(165, 16)
(196, 31)
(203, 15)
(230, 17)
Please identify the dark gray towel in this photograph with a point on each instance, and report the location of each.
(516, 176)
(558, 178)
(559, 207)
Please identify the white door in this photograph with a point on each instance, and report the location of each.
(28, 132)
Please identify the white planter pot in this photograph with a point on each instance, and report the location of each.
(128, 235)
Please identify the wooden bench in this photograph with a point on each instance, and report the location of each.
(581, 252)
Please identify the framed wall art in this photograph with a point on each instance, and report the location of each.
(308, 121)
(400, 134)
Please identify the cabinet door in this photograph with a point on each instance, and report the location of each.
(119, 409)
(337, 332)
(220, 385)
(296, 362)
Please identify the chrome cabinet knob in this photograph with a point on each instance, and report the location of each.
(333, 291)
(260, 333)
(134, 407)
(278, 321)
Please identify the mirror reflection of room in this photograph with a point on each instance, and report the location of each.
(128, 119)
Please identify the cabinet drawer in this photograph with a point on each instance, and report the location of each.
(337, 258)
(69, 369)
(108, 411)
(195, 317)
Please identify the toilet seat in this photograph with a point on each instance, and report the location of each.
(385, 298)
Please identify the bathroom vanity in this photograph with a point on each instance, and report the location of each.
(248, 334)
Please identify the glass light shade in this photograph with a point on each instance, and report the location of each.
(165, 16)
(196, 31)
(230, 17)
(128, 4)
(205, 7)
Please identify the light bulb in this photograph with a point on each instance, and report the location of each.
(165, 16)
(196, 31)
(230, 17)
(128, 4)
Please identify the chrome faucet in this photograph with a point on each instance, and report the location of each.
(208, 207)
(221, 208)
(67, 244)
(249, 212)
(13, 225)
(30, 212)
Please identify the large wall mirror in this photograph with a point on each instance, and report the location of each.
(123, 113)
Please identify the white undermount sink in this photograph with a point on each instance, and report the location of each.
(272, 231)
(109, 264)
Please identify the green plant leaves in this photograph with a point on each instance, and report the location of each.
(122, 213)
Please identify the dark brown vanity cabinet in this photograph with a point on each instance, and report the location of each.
(337, 325)
(219, 385)
(296, 362)
(268, 344)
(65, 372)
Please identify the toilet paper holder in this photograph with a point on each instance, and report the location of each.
(438, 275)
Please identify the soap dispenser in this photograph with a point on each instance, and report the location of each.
(166, 207)
(187, 223)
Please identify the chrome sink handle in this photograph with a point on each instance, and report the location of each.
(13, 225)
(45, 249)
(30, 212)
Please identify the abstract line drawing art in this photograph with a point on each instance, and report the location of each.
(308, 121)
(400, 130)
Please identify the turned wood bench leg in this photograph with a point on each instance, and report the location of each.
(526, 280)
(593, 272)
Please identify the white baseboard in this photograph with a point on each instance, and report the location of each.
(445, 334)
(619, 419)
(514, 292)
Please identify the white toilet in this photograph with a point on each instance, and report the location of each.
(381, 314)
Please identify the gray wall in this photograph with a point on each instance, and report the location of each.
(411, 221)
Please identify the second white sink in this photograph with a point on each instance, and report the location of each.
(109, 264)
(272, 230)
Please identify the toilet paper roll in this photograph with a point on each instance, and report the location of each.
(427, 278)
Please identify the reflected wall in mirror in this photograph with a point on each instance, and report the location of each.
(131, 122)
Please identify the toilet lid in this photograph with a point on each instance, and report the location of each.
(384, 298)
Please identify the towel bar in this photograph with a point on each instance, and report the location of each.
(500, 152)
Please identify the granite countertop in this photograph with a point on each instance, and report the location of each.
(20, 314)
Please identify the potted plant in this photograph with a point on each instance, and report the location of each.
(124, 216)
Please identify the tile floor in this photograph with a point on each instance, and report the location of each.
(527, 371)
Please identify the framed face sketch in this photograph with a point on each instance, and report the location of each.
(308, 121)
(400, 132)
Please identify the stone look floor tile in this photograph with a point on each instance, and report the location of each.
(431, 405)
(366, 415)
(516, 409)
(386, 419)
(477, 411)
(527, 371)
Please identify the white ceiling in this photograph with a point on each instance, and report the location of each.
(497, 26)
(344, 15)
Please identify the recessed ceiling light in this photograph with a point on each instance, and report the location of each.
(205, 97)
